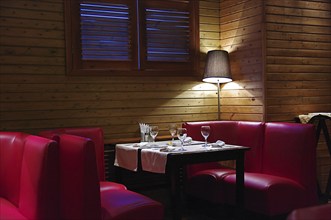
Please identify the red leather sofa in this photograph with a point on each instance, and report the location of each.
(113, 201)
(79, 183)
(319, 212)
(280, 167)
(96, 135)
(28, 177)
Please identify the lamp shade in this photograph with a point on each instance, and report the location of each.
(217, 69)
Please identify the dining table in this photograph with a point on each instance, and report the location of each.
(167, 158)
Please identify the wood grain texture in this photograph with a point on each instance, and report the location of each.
(280, 54)
(37, 94)
(241, 35)
(298, 65)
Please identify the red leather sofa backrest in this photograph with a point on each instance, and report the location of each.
(250, 134)
(219, 130)
(289, 148)
(94, 133)
(29, 175)
(79, 184)
(11, 155)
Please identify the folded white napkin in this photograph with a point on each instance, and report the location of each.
(141, 144)
(218, 144)
(187, 140)
(168, 149)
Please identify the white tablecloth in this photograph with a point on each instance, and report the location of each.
(154, 159)
(126, 156)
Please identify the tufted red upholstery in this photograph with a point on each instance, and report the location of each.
(281, 162)
(96, 135)
(320, 212)
(28, 177)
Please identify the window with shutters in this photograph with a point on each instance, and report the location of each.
(132, 36)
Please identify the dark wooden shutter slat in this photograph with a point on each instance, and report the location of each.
(168, 34)
(103, 35)
(105, 30)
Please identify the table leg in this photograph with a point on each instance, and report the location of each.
(240, 192)
(174, 175)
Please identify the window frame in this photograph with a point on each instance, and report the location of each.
(76, 66)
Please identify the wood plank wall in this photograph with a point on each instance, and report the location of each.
(241, 24)
(298, 64)
(36, 93)
(294, 62)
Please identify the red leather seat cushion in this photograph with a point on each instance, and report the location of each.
(128, 205)
(267, 194)
(205, 184)
(104, 186)
(9, 212)
(320, 212)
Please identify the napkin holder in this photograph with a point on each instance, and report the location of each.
(144, 132)
(144, 137)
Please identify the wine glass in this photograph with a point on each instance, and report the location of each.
(172, 130)
(153, 131)
(181, 134)
(205, 131)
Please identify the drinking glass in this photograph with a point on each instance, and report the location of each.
(205, 131)
(181, 134)
(172, 130)
(153, 131)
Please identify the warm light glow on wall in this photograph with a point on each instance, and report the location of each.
(206, 49)
(229, 48)
(205, 86)
(232, 85)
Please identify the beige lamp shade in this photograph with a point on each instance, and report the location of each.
(217, 69)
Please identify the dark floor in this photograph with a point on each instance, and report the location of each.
(198, 210)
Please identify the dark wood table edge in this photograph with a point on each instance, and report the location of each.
(176, 161)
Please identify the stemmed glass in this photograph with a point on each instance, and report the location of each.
(172, 130)
(181, 134)
(205, 131)
(153, 131)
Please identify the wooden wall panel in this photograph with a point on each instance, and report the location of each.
(298, 61)
(241, 24)
(280, 55)
(298, 65)
(36, 93)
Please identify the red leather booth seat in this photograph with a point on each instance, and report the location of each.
(28, 177)
(79, 184)
(280, 167)
(110, 202)
(96, 135)
(320, 212)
